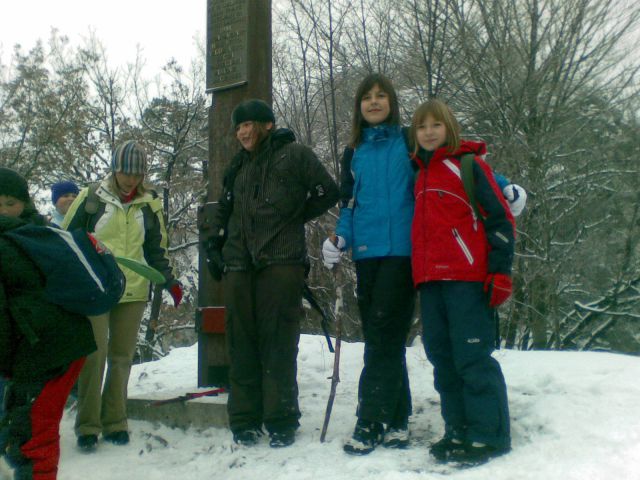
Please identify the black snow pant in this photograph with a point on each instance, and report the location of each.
(386, 299)
(458, 332)
(264, 308)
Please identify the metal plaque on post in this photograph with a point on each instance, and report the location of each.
(227, 43)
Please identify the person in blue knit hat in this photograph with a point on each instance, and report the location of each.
(62, 196)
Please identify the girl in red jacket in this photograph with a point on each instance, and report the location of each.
(462, 269)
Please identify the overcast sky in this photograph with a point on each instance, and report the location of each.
(163, 28)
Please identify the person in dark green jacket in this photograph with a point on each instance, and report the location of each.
(272, 187)
(42, 346)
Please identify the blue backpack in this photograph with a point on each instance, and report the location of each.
(81, 275)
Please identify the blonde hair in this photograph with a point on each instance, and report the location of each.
(440, 112)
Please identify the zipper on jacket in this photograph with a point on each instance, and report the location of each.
(473, 213)
(463, 246)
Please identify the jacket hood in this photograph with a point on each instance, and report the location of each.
(380, 132)
(466, 146)
(281, 137)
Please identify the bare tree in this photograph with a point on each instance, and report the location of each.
(540, 78)
(173, 125)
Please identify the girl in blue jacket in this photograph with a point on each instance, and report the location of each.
(376, 208)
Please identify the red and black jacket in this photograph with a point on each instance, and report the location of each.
(448, 241)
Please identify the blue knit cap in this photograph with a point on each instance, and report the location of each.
(62, 188)
(129, 158)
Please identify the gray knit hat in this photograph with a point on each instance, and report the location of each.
(253, 110)
(13, 185)
(129, 158)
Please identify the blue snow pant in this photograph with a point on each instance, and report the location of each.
(459, 336)
(386, 300)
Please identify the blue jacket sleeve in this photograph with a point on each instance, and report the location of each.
(501, 180)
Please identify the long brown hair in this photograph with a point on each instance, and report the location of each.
(440, 112)
(358, 122)
(262, 132)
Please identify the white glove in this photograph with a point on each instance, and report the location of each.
(331, 251)
(516, 197)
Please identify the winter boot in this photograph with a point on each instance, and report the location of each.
(88, 443)
(396, 436)
(366, 436)
(475, 453)
(247, 437)
(445, 447)
(120, 437)
(282, 438)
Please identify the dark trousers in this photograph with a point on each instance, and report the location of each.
(386, 301)
(458, 332)
(33, 413)
(264, 308)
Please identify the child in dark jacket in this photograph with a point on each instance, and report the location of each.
(42, 346)
(462, 269)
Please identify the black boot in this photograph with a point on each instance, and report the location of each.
(88, 443)
(445, 447)
(247, 437)
(396, 435)
(475, 454)
(282, 438)
(366, 436)
(120, 437)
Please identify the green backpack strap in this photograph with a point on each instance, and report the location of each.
(466, 172)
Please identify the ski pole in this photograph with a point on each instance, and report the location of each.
(335, 376)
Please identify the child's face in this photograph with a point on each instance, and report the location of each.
(374, 106)
(11, 206)
(64, 202)
(431, 133)
(247, 134)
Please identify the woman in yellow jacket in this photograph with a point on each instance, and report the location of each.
(127, 217)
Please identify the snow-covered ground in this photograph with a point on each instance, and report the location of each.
(573, 416)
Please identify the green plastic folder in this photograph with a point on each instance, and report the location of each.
(142, 269)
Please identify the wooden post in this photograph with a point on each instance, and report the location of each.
(238, 68)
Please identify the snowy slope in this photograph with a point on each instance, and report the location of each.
(574, 416)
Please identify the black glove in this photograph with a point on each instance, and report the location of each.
(215, 263)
